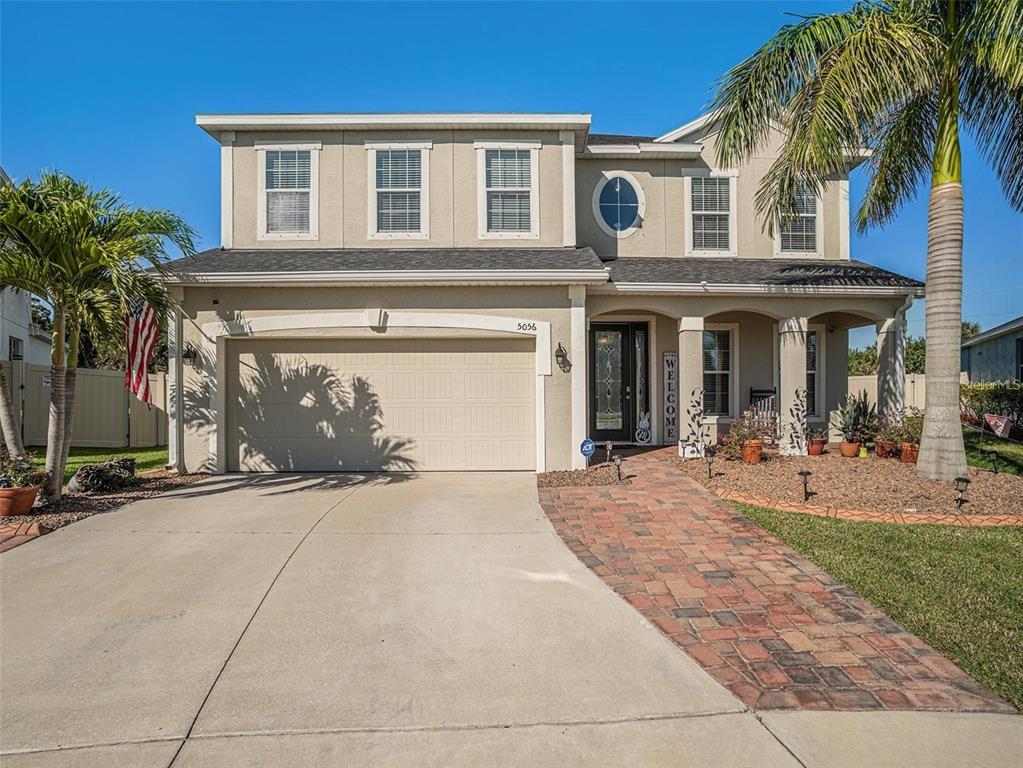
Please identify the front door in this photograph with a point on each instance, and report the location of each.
(619, 401)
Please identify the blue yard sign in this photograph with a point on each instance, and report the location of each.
(587, 448)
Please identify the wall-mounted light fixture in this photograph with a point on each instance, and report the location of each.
(189, 355)
(561, 358)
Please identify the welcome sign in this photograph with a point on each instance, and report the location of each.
(670, 397)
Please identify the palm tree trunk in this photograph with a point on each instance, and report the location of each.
(942, 456)
(55, 428)
(70, 389)
(8, 424)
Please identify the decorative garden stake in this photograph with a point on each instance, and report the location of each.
(993, 458)
(805, 474)
(961, 483)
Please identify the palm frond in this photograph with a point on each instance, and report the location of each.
(905, 146)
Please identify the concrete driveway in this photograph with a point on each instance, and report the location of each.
(319, 620)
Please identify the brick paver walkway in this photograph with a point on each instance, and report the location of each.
(15, 534)
(773, 628)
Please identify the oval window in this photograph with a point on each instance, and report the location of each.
(619, 204)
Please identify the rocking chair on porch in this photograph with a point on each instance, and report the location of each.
(763, 404)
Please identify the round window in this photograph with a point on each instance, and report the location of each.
(619, 204)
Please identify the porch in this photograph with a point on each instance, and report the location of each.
(681, 370)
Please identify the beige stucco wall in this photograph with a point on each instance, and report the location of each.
(663, 230)
(344, 194)
(548, 304)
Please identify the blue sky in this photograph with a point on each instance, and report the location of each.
(107, 93)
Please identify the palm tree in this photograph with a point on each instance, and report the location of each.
(902, 78)
(89, 255)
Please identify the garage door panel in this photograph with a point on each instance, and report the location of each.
(347, 404)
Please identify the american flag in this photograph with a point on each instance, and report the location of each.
(141, 331)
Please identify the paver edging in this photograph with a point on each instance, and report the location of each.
(13, 535)
(894, 518)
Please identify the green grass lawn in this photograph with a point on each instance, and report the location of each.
(1010, 455)
(145, 458)
(957, 588)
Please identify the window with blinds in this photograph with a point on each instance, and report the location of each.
(798, 227)
(717, 372)
(811, 373)
(711, 206)
(288, 191)
(399, 185)
(508, 181)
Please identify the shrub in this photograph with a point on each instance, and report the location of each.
(856, 418)
(1002, 398)
(111, 475)
(19, 471)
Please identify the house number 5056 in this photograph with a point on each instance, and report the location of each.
(527, 326)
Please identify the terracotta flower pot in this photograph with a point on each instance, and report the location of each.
(17, 501)
(849, 450)
(908, 453)
(752, 450)
(885, 449)
(816, 446)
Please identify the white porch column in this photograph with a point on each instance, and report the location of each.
(891, 366)
(577, 304)
(792, 386)
(691, 435)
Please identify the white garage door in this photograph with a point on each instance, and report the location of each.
(321, 405)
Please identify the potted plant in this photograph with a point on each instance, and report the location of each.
(748, 435)
(20, 482)
(856, 419)
(816, 439)
(912, 428)
(887, 439)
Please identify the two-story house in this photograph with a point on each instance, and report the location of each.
(486, 291)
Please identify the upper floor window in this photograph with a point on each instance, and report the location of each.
(288, 192)
(508, 182)
(398, 190)
(619, 204)
(710, 201)
(798, 229)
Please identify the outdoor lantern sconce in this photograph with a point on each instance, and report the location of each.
(805, 474)
(189, 355)
(961, 483)
(618, 466)
(993, 458)
(561, 358)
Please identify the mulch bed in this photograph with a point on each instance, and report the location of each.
(869, 484)
(74, 507)
(598, 474)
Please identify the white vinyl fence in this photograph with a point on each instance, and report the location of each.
(106, 414)
(916, 388)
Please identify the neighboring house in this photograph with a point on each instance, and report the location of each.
(485, 291)
(996, 354)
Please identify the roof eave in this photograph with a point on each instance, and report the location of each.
(757, 289)
(393, 277)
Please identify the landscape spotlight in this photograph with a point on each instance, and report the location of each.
(961, 483)
(805, 474)
(993, 458)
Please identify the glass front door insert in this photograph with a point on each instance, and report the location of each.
(619, 407)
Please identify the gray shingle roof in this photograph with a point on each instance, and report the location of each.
(780, 272)
(220, 261)
(616, 138)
